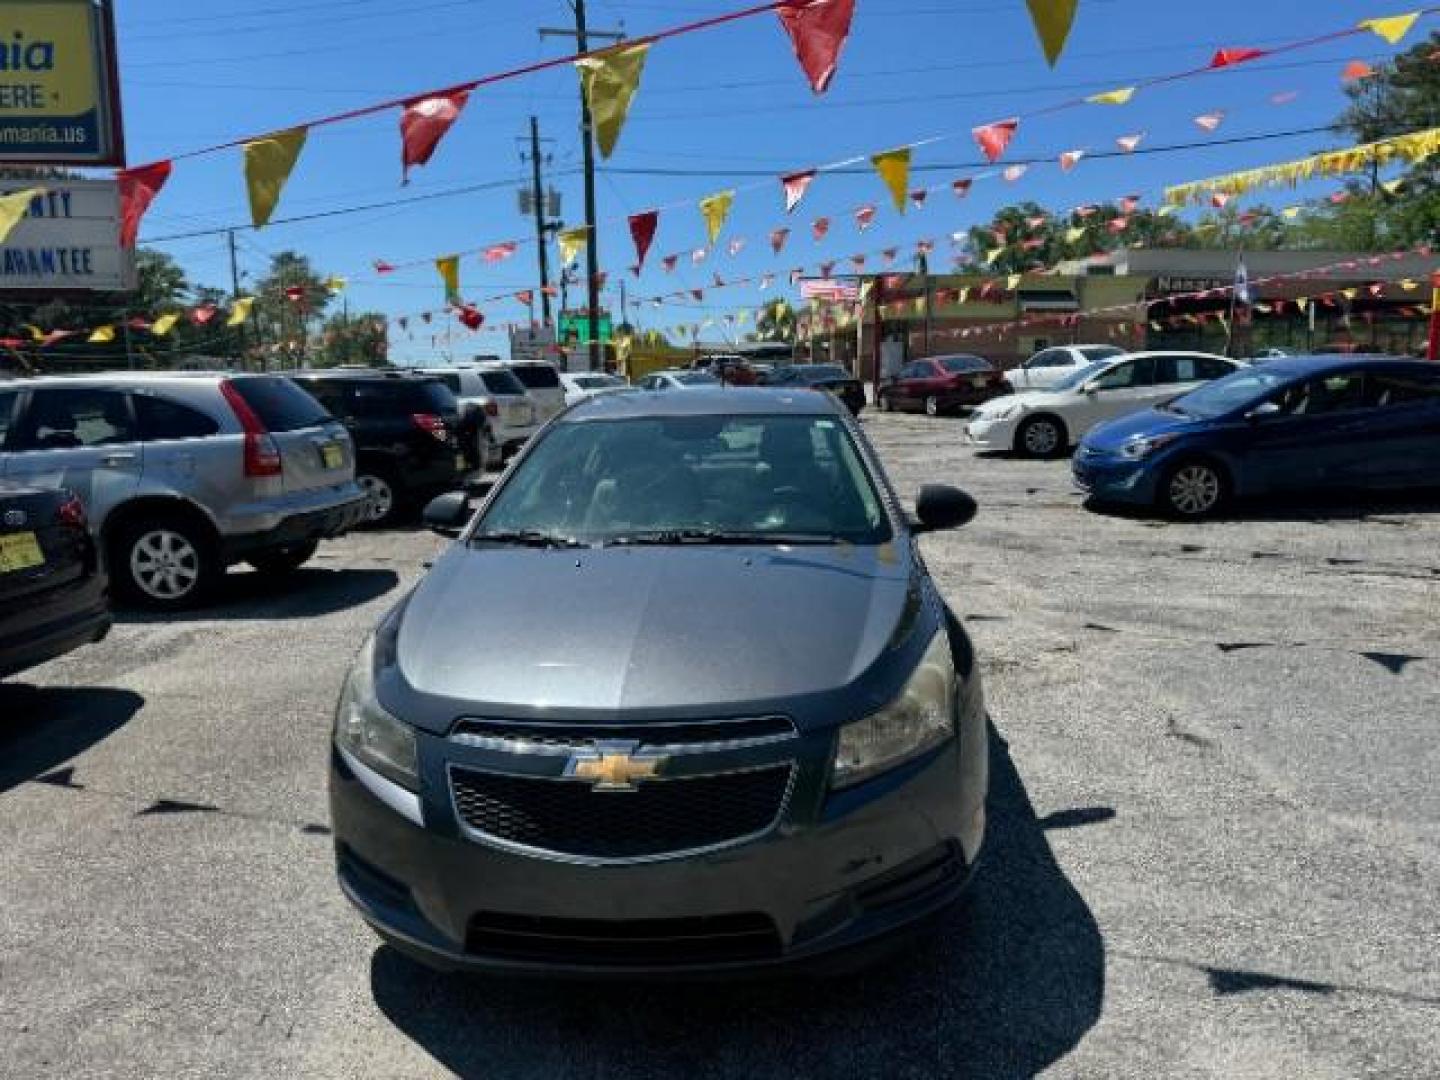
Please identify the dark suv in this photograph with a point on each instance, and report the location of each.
(406, 432)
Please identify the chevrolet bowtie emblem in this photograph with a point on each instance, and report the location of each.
(614, 766)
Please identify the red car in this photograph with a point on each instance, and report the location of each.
(941, 384)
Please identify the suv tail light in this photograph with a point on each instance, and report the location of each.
(431, 423)
(71, 512)
(492, 408)
(262, 454)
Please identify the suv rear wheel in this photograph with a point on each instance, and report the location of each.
(383, 499)
(284, 560)
(167, 563)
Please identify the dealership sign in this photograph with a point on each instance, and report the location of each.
(69, 239)
(58, 99)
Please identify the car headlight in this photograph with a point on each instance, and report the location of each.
(1142, 446)
(371, 734)
(920, 719)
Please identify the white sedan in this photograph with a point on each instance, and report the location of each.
(586, 384)
(1046, 423)
(679, 379)
(1048, 367)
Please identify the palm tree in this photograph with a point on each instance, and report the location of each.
(775, 321)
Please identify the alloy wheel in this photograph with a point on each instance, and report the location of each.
(932, 406)
(1042, 438)
(1194, 490)
(380, 494)
(164, 564)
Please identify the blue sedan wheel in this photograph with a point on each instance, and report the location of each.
(1194, 489)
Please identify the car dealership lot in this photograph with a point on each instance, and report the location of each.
(1214, 847)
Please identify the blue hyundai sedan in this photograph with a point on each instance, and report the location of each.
(1303, 423)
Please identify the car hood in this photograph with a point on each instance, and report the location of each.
(1115, 433)
(1030, 401)
(518, 631)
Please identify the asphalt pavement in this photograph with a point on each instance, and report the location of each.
(1214, 846)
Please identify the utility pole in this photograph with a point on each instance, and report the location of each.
(582, 35)
(538, 194)
(235, 291)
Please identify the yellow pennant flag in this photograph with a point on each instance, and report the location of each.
(102, 335)
(1012, 282)
(36, 334)
(1291, 212)
(1350, 294)
(1121, 96)
(1394, 28)
(241, 311)
(608, 80)
(1302, 302)
(1075, 234)
(894, 168)
(335, 285)
(164, 324)
(716, 208)
(963, 296)
(992, 255)
(449, 268)
(13, 208)
(268, 164)
(1053, 19)
(1409, 284)
(572, 242)
(1392, 187)
(1167, 210)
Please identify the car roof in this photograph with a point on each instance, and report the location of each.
(366, 374)
(708, 401)
(1321, 363)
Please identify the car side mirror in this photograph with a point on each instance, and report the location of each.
(941, 507)
(1088, 389)
(447, 514)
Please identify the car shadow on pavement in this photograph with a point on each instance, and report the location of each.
(41, 728)
(1008, 984)
(304, 594)
(1306, 507)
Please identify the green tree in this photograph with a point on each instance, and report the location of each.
(289, 300)
(353, 340)
(775, 321)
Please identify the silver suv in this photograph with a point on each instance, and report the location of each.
(183, 475)
(492, 389)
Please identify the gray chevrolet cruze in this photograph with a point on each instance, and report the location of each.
(682, 699)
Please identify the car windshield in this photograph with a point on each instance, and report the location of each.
(536, 376)
(596, 382)
(1225, 395)
(1099, 352)
(690, 480)
(1089, 371)
(501, 383)
(822, 373)
(961, 365)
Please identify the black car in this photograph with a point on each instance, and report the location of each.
(681, 698)
(406, 430)
(831, 377)
(54, 596)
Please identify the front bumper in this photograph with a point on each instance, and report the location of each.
(1114, 479)
(836, 878)
(299, 529)
(998, 435)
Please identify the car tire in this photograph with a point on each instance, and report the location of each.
(1042, 437)
(285, 560)
(932, 406)
(384, 499)
(1193, 489)
(167, 562)
(884, 403)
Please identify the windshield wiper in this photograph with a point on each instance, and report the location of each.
(528, 538)
(671, 537)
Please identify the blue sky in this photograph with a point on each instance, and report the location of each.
(729, 102)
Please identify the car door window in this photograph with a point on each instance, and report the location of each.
(1176, 369)
(1339, 393)
(1381, 391)
(8, 401)
(163, 419)
(1212, 367)
(1050, 358)
(69, 419)
(1128, 376)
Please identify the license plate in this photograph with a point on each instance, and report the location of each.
(20, 551)
(461, 463)
(978, 382)
(332, 456)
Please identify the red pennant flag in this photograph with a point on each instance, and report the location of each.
(962, 188)
(1015, 172)
(138, 188)
(470, 317)
(826, 269)
(796, 275)
(1037, 221)
(1032, 245)
(1210, 121)
(1220, 199)
(1129, 204)
(425, 316)
(295, 293)
(424, 123)
(642, 231)
(1230, 57)
(635, 271)
(698, 256)
(918, 197)
(1356, 70)
(889, 255)
(1070, 159)
(819, 228)
(922, 247)
(818, 31)
(1129, 143)
(669, 262)
(499, 252)
(697, 294)
(994, 139)
(864, 218)
(1340, 197)
(205, 312)
(795, 186)
(1377, 289)
(1118, 225)
(404, 322)
(55, 335)
(383, 267)
(858, 262)
(777, 240)
(1083, 212)
(736, 246)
